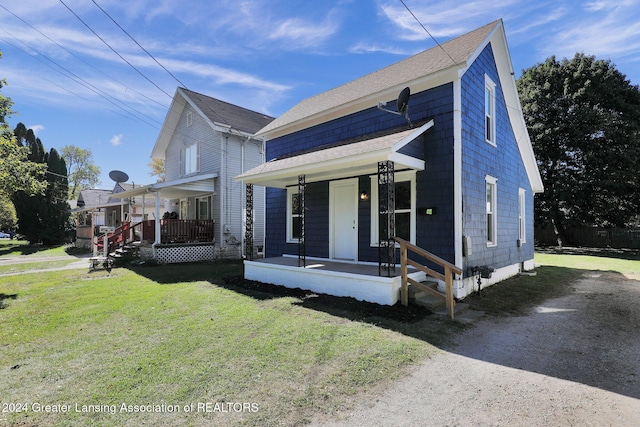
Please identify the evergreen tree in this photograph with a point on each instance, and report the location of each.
(43, 218)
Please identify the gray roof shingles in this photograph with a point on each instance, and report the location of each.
(237, 117)
(422, 64)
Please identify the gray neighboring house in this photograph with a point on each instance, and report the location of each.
(200, 210)
(97, 208)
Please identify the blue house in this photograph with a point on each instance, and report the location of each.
(454, 175)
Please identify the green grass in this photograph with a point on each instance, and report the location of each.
(176, 335)
(558, 270)
(183, 335)
(26, 266)
(623, 262)
(14, 248)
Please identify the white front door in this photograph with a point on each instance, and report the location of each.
(343, 220)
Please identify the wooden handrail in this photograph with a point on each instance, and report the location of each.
(447, 277)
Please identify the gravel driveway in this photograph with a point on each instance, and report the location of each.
(572, 361)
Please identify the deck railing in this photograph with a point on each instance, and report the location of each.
(447, 276)
(186, 230)
(120, 237)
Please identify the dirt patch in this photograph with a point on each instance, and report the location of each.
(572, 360)
(342, 306)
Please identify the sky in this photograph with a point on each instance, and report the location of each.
(101, 74)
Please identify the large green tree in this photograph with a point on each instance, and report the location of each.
(81, 171)
(583, 117)
(17, 172)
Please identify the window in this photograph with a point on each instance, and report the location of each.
(491, 203)
(189, 118)
(522, 229)
(84, 218)
(489, 111)
(203, 207)
(293, 214)
(184, 209)
(405, 211)
(191, 159)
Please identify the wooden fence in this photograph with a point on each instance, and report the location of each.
(592, 237)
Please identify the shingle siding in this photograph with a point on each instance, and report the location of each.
(502, 162)
(354, 125)
(434, 185)
(317, 221)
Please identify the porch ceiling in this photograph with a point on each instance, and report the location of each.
(176, 189)
(358, 158)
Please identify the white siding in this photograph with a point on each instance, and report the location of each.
(227, 155)
(199, 132)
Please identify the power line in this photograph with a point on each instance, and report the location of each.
(79, 80)
(113, 50)
(136, 42)
(427, 31)
(77, 57)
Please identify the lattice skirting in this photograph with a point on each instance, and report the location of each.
(172, 254)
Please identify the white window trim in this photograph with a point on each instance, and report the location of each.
(522, 223)
(398, 177)
(183, 160)
(207, 199)
(184, 209)
(189, 118)
(290, 192)
(491, 86)
(494, 214)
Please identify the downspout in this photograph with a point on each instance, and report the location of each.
(457, 175)
(223, 183)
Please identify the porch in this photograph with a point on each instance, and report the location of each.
(358, 280)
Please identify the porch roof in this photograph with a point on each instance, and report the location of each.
(176, 189)
(358, 158)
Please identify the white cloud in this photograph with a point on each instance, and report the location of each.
(364, 47)
(302, 33)
(36, 128)
(611, 31)
(116, 140)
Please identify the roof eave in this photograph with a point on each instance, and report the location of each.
(514, 108)
(169, 125)
(423, 83)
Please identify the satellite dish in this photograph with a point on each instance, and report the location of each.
(403, 100)
(403, 105)
(118, 176)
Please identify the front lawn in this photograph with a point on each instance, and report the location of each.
(174, 345)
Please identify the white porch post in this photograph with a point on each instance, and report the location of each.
(157, 222)
(143, 218)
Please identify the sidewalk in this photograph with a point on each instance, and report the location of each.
(82, 261)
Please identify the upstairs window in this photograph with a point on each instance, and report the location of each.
(491, 205)
(489, 111)
(522, 231)
(189, 118)
(191, 159)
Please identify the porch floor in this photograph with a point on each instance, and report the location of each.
(329, 265)
(360, 281)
